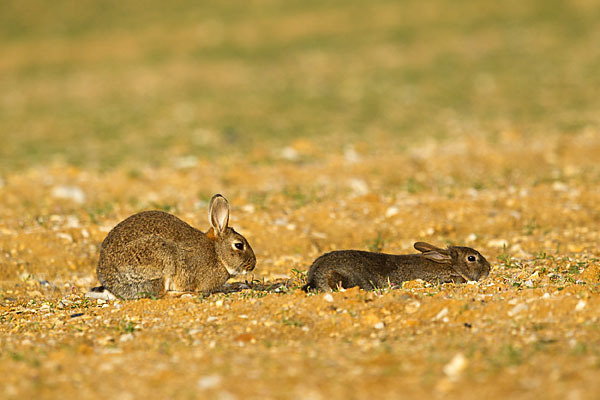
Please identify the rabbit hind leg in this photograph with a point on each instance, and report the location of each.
(336, 280)
(137, 281)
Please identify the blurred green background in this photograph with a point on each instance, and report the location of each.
(100, 84)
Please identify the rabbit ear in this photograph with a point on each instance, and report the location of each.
(439, 256)
(218, 213)
(425, 247)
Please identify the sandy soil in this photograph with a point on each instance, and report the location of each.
(531, 330)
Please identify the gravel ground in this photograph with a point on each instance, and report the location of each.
(531, 330)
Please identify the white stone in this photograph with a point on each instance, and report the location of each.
(391, 211)
(128, 337)
(560, 187)
(328, 297)
(456, 366)
(580, 305)
(499, 243)
(209, 381)
(518, 309)
(289, 153)
(358, 186)
(67, 192)
(441, 314)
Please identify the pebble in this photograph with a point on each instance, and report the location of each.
(442, 314)
(518, 309)
(412, 307)
(289, 153)
(328, 297)
(379, 325)
(209, 381)
(65, 236)
(498, 243)
(456, 366)
(358, 187)
(560, 187)
(67, 192)
(580, 305)
(211, 318)
(351, 155)
(391, 211)
(127, 337)
(72, 222)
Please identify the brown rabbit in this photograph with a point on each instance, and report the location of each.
(153, 252)
(349, 268)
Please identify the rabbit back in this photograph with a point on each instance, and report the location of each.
(368, 270)
(152, 252)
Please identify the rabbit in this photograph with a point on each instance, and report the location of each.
(153, 252)
(349, 268)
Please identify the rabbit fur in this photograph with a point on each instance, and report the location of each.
(349, 268)
(153, 252)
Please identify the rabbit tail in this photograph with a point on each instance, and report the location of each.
(100, 293)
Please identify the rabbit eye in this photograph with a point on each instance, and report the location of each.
(238, 245)
(471, 258)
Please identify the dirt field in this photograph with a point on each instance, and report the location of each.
(531, 329)
(328, 125)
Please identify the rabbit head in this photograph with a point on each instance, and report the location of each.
(232, 249)
(468, 263)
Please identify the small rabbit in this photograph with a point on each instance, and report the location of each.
(152, 252)
(349, 268)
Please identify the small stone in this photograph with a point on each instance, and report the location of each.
(128, 337)
(471, 238)
(248, 208)
(358, 187)
(455, 367)
(441, 314)
(529, 283)
(209, 381)
(560, 187)
(328, 297)
(211, 319)
(498, 243)
(289, 153)
(67, 192)
(379, 325)
(518, 309)
(580, 305)
(412, 306)
(391, 211)
(72, 222)
(219, 303)
(351, 155)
